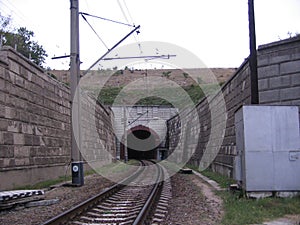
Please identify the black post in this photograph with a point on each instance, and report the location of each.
(253, 55)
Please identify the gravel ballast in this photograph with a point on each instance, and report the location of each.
(193, 202)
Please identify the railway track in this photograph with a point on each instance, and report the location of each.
(139, 199)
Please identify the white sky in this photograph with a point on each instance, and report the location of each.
(214, 30)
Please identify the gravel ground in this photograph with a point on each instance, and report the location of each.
(193, 202)
(68, 197)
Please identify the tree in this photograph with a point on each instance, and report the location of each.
(186, 75)
(4, 23)
(167, 74)
(21, 39)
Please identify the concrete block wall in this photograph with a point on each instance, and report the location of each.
(35, 122)
(279, 84)
(35, 135)
(98, 136)
(279, 72)
(235, 93)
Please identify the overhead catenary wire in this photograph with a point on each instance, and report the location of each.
(102, 18)
(136, 119)
(9, 9)
(17, 18)
(135, 36)
(129, 14)
(112, 48)
(87, 5)
(94, 30)
(123, 12)
(147, 57)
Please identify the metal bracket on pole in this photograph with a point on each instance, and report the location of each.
(109, 50)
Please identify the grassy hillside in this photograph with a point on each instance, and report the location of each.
(154, 87)
(108, 95)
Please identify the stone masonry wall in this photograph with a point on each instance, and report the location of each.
(279, 73)
(235, 93)
(279, 84)
(98, 136)
(34, 123)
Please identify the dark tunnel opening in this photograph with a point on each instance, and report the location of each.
(141, 145)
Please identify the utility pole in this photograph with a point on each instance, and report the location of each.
(77, 164)
(253, 54)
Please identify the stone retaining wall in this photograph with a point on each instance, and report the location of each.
(279, 73)
(279, 84)
(34, 123)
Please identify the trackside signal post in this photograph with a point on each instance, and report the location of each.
(77, 163)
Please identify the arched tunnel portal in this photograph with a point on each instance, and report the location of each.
(142, 143)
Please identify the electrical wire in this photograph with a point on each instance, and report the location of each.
(87, 5)
(129, 14)
(135, 36)
(146, 57)
(136, 119)
(16, 14)
(7, 11)
(114, 21)
(124, 14)
(94, 31)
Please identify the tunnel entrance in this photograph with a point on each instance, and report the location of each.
(142, 143)
(138, 152)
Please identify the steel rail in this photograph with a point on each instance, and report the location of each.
(146, 212)
(70, 214)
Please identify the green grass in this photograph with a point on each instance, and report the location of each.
(107, 95)
(48, 183)
(240, 210)
(223, 181)
(117, 167)
(44, 184)
(112, 168)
